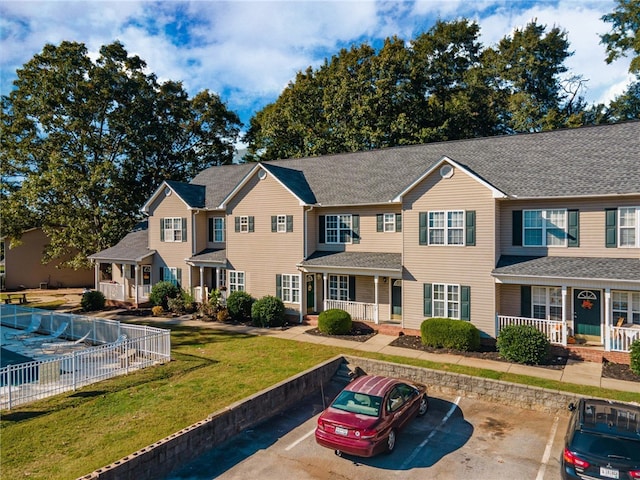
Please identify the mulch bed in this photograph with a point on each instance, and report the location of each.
(619, 371)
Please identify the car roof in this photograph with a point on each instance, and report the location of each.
(376, 385)
(608, 417)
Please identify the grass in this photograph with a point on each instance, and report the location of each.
(70, 435)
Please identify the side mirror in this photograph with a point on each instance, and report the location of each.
(572, 407)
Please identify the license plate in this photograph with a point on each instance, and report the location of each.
(609, 472)
(345, 432)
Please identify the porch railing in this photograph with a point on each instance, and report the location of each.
(112, 291)
(555, 330)
(366, 312)
(621, 338)
(143, 293)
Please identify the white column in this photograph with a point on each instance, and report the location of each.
(136, 274)
(564, 315)
(376, 317)
(325, 282)
(607, 316)
(202, 295)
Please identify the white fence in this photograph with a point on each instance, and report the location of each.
(621, 338)
(556, 331)
(119, 348)
(366, 312)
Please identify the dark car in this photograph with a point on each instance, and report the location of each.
(602, 441)
(366, 416)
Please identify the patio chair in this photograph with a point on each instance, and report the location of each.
(64, 347)
(33, 327)
(47, 338)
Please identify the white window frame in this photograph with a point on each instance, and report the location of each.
(338, 228)
(222, 277)
(546, 223)
(172, 229)
(339, 287)
(627, 305)
(281, 223)
(218, 229)
(170, 274)
(244, 224)
(389, 222)
(445, 300)
(236, 281)
(546, 303)
(628, 227)
(446, 227)
(290, 288)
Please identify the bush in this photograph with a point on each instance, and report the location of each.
(268, 312)
(157, 310)
(176, 305)
(239, 305)
(223, 315)
(335, 322)
(92, 300)
(635, 357)
(450, 333)
(523, 344)
(161, 292)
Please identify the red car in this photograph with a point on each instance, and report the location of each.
(364, 419)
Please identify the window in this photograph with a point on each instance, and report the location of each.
(244, 224)
(173, 229)
(216, 229)
(446, 228)
(339, 287)
(172, 275)
(629, 226)
(236, 281)
(546, 303)
(626, 305)
(544, 228)
(338, 228)
(446, 300)
(281, 223)
(389, 222)
(290, 292)
(222, 277)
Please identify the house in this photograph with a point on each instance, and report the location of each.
(23, 267)
(539, 228)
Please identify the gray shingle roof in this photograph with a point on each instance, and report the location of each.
(210, 255)
(132, 248)
(370, 260)
(192, 194)
(600, 160)
(570, 267)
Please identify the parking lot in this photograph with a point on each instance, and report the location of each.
(457, 438)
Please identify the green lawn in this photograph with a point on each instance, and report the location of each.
(73, 434)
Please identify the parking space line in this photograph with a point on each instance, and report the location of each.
(547, 451)
(301, 439)
(433, 432)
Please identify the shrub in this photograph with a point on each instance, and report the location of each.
(450, 333)
(161, 292)
(239, 305)
(268, 312)
(92, 300)
(335, 322)
(223, 315)
(157, 310)
(176, 305)
(635, 357)
(523, 344)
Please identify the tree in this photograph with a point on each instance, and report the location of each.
(624, 37)
(84, 144)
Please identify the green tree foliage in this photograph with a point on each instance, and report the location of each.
(624, 37)
(85, 143)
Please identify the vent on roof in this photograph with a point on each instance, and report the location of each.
(446, 171)
(262, 174)
(167, 192)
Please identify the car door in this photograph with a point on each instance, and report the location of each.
(399, 405)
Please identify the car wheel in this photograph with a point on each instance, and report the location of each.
(424, 406)
(391, 441)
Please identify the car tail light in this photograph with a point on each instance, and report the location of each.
(572, 459)
(634, 473)
(320, 424)
(366, 433)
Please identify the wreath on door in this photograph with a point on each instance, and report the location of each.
(587, 304)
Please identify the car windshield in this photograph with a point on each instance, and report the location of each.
(358, 403)
(606, 446)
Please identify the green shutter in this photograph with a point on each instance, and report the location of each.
(525, 301)
(184, 229)
(573, 231)
(237, 221)
(423, 228)
(611, 227)
(517, 228)
(321, 229)
(379, 222)
(251, 223)
(162, 229)
(211, 239)
(427, 300)
(352, 288)
(279, 286)
(470, 228)
(465, 303)
(398, 222)
(289, 223)
(355, 228)
(274, 223)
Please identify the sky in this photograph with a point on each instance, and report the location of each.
(248, 51)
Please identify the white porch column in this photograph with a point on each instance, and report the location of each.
(607, 317)
(564, 315)
(325, 282)
(136, 274)
(216, 281)
(202, 295)
(96, 274)
(376, 318)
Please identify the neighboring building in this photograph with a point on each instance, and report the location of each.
(541, 228)
(24, 268)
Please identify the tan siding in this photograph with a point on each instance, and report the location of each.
(509, 300)
(262, 254)
(460, 265)
(592, 227)
(201, 231)
(365, 293)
